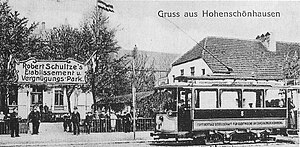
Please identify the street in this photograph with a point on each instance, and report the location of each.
(51, 134)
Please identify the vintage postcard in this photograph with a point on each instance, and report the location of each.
(149, 73)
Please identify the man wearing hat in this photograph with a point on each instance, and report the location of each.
(75, 118)
(35, 118)
(14, 123)
(88, 122)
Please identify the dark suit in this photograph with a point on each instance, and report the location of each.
(35, 118)
(88, 123)
(14, 124)
(75, 118)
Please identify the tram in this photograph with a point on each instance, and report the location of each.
(213, 110)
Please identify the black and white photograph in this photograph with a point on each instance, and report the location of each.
(150, 73)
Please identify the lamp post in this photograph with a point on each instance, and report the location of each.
(134, 53)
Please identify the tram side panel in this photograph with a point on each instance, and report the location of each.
(231, 119)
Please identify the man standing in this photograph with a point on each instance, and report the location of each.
(2, 124)
(127, 122)
(75, 118)
(88, 122)
(14, 123)
(35, 118)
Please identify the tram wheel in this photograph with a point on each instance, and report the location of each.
(200, 141)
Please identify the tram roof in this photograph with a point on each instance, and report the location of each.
(225, 77)
(225, 86)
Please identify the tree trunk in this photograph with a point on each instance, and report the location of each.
(69, 104)
(70, 90)
(3, 97)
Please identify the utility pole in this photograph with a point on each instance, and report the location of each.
(134, 53)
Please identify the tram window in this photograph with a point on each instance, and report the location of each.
(275, 98)
(252, 98)
(229, 99)
(293, 95)
(206, 99)
(170, 96)
(185, 99)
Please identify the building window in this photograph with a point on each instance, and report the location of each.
(173, 78)
(37, 95)
(203, 71)
(192, 71)
(59, 98)
(182, 72)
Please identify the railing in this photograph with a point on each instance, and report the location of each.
(5, 127)
(107, 125)
(98, 125)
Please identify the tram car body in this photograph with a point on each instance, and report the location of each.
(224, 112)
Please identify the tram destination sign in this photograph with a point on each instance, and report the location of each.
(67, 71)
(233, 124)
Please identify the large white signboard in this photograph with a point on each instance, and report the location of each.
(51, 71)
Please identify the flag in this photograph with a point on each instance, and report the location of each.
(105, 6)
(93, 62)
(9, 61)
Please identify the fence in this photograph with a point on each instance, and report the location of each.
(5, 127)
(107, 125)
(99, 125)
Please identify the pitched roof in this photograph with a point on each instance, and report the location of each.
(245, 57)
(127, 98)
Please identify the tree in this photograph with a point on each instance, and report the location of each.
(144, 74)
(93, 42)
(106, 69)
(16, 40)
(292, 66)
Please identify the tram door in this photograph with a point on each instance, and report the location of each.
(184, 109)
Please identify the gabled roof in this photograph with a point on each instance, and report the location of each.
(245, 57)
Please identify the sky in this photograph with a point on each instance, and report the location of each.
(138, 22)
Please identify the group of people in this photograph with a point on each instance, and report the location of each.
(126, 118)
(13, 120)
(72, 121)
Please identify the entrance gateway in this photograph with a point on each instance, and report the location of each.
(44, 83)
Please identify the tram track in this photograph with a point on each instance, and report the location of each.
(221, 144)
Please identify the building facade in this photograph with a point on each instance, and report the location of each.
(54, 97)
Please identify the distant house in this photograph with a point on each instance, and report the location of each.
(258, 59)
(161, 63)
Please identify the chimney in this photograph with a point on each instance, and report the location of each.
(268, 40)
(43, 26)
